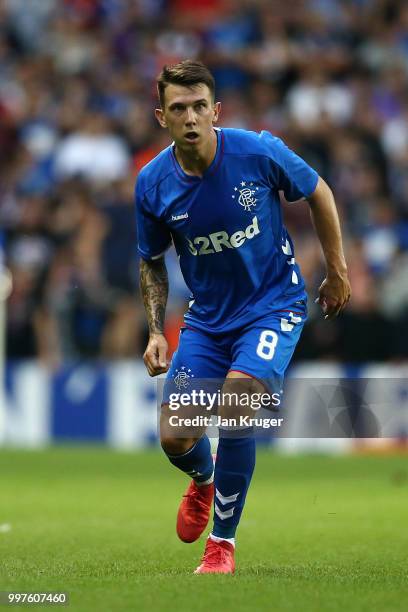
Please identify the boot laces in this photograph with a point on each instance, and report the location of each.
(194, 498)
(214, 554)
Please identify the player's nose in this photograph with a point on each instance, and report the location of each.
(191, 116)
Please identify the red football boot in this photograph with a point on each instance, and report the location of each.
(194, 511)
(218, 558)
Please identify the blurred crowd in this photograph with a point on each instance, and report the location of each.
(77, 92)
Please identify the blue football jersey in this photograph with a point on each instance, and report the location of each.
(235, 254)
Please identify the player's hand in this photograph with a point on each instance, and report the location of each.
(334, 293)
(155, 356)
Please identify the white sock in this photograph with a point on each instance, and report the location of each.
(206, 482)
(217, 539)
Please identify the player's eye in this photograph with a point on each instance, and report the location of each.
(200, 106)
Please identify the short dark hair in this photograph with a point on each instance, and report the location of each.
(187, 73)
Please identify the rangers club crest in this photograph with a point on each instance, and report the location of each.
(182, 377)
(245, 195)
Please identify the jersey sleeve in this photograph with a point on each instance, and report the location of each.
(290, 173)
(153, 236)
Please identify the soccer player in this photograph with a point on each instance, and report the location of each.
(214, 193)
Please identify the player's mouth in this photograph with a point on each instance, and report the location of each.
(191, 137)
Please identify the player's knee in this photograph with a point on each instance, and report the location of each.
(177, 433)
(236, 397)
(176, 446)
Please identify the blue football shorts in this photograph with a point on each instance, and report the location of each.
(262, 350)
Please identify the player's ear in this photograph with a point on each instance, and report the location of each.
(160, 117)
(216, 110)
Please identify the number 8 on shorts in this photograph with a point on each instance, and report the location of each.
(267, 344)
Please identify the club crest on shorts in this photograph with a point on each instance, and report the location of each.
(245, 195)
(182, 377)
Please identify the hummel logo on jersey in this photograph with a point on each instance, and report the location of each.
(179, 217)
(219, 240)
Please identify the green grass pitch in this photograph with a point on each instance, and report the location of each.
(317, 533)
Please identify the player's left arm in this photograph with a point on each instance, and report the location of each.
(335, 291)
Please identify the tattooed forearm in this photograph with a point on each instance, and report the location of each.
(154, 286)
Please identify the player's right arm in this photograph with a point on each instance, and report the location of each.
(153, 237)
(154, 287)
